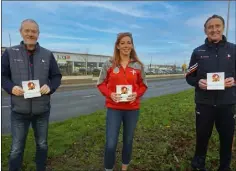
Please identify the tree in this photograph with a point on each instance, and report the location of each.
(184, 68)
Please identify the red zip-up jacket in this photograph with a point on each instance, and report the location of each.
(110, 77)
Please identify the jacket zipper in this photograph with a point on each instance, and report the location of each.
(124, 70)
(217, 58)
(30, 78)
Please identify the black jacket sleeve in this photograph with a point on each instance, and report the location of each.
(235, 59)
(235, 64)
(7, 83)
(191, 75)
(54, 75)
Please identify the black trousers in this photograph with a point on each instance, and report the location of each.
(223, 118)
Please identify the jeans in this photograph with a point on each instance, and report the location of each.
(19, 129)
(113, 123)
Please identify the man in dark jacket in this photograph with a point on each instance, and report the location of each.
(213, 106)
(24, 62)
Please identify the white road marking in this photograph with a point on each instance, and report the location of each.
(92, 95)
(6, 106)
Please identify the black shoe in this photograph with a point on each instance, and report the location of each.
(198, 163)
(199, 169)
(225, 169)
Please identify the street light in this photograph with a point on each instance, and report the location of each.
(150, 66)
(9, 39)
(227, 28)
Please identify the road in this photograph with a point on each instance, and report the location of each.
(71, 103)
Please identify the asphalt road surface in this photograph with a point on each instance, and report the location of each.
(71, 103)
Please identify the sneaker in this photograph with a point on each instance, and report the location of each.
(225, 169)
(198, 163)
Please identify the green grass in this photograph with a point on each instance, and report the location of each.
(164, 139)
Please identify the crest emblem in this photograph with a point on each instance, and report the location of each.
(133, 71)
(116, 70)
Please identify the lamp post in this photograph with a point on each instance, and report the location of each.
(227, 27)
(9, 39)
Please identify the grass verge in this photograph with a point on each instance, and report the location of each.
(164, 139)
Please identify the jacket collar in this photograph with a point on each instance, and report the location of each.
(220, 43)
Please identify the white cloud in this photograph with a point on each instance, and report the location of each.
(122, 23)
(176, 43)
(171, 42)
(169, 7)
(135, 26)
(48, 35)
(108, 30)
(197, 21)
(130, 9)
(125, 10)
(16, 38)
(51, 7)
(99, 49)
(216, 8)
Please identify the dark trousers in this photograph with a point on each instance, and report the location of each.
(113, 123)
(223, 118)
(19, 130)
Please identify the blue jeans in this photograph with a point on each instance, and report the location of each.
(113, 123)
(19, 129)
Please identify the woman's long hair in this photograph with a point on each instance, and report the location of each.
(116, 56)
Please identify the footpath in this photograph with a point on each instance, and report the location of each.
(71, 81)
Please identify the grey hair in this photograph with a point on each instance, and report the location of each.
(215, 16)
(29, 20)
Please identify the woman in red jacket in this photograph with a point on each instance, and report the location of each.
(122, 82)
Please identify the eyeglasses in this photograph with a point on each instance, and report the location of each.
(126, 33)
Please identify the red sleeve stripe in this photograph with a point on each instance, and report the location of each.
(191, 71)
(193, 66)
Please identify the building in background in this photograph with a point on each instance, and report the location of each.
(86, 64)
(77, 63)
(2, 50)
(162, 69)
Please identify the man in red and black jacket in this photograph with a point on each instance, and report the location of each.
(213, 106)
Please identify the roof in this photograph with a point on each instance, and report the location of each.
(80, 53)
(74, 53)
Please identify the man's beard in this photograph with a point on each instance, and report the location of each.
(26, 43)
(215, 41)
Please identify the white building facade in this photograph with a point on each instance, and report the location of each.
(79, 61)
(74, 62)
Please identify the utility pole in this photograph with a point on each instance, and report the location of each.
(227, 28)
(150, 64)
(86, 59)
(9, 39)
